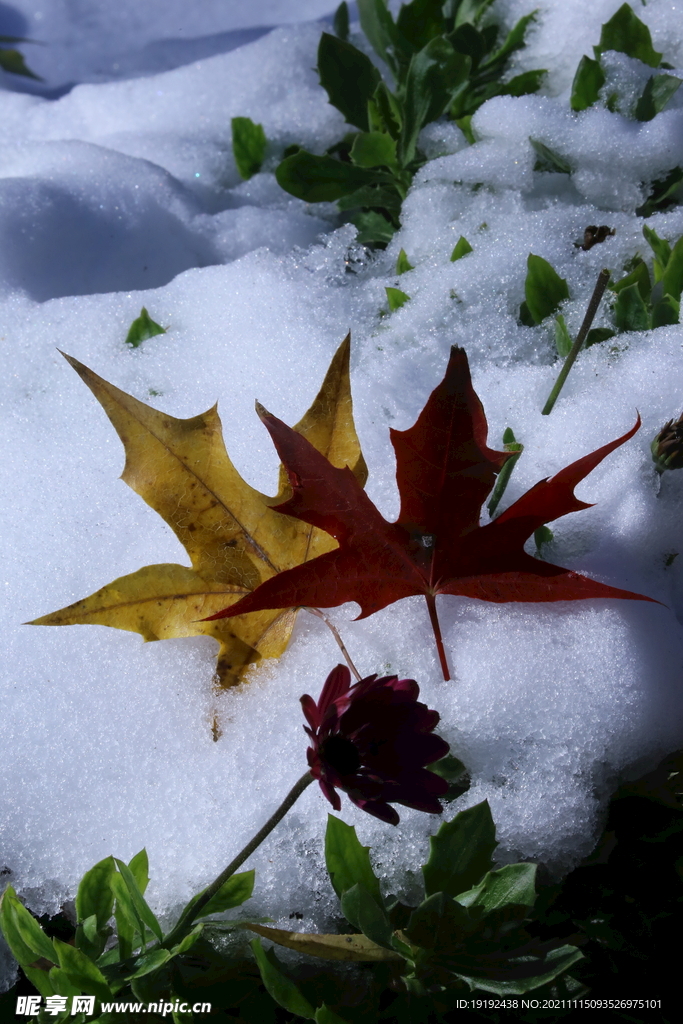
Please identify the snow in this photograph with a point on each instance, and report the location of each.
(122, 192)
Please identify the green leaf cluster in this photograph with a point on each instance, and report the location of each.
(644, 299)
(626, 33)
(108, 959)
(470, 928)
(442, 62)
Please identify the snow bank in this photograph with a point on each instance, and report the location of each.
(124, 194)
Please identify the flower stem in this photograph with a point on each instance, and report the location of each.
(335, 633)
(193, 911)
(434, 619)
(598, 292)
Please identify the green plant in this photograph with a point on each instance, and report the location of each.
(443, 59)
(470, 932)
(625, 33)
(135, 966)
(644, 300)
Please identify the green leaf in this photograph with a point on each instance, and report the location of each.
(461, 248)
(373, 228)
(154, 987)
(525, 316)
(664, 192)
(448, 768)
(467, 11)
(24, 936)
(142, 329)
(420, 21)
(341, 21)
(515, 883)
(626, 33)
(510, 444)
(544, 289)
(281, 988)
(324, 1015)
(189, 940)
(248, 146)
(588, 81)
(465, 126)
(630, 312)
(639, 276)
(141, 907)
(322, 179)
(94, 894)
(598, 334)
(513, 41)
(62, 984)
(439, 923)
(665, 312)
(81, 971)
(89, 927)
(548, 159)
(656, 95)
(364, 912)
(659, 246)
(347, 861)
(348, 77)
(139, 866)
(460, 852)
(403, 264)
(41, 981)
(373, 149)
(386, 111)
(371, 196)
(232, 893)
(13, 61)
(468, 41)
(149, 962)
(381, 32)
(128, 921)
(435, 75)
(563, 339)
(396, 298)
(672, 280)
(543, 535)
(525, 84)
(555, 963)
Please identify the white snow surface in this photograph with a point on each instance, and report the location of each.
(122, 193)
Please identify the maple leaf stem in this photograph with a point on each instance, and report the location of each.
(598, 292)
(434, 619)
(335, 633)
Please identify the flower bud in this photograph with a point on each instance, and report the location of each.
(667, 447)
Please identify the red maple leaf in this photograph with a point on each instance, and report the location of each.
(444, 472)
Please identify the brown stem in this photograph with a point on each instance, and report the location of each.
(434, 619)
(335, 633)
(598, 292)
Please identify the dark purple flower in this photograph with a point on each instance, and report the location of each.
(373, 740)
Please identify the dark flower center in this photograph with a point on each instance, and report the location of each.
(341, 754)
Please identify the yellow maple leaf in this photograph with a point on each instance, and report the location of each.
(233, 537)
